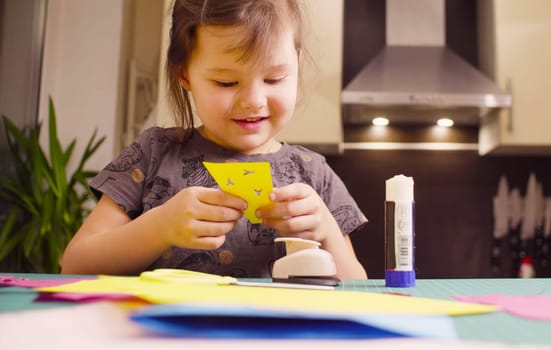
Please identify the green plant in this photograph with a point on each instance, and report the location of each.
(44, 206)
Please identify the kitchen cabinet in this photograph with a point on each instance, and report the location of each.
(514, 49)
(317, 119)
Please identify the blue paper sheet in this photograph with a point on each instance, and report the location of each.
(222, 321)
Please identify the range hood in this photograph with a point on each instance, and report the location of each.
(415, 78)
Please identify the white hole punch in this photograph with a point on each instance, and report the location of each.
(305, 263)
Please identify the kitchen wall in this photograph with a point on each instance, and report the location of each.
(88, 47)
(21, 38)
(454, 190)
(454, 193)
(83, 72)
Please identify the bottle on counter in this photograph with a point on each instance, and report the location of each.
(526, 269)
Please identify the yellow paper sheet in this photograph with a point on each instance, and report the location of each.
(251, 181)
(348, 302)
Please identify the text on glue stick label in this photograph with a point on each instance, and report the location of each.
(403, 235)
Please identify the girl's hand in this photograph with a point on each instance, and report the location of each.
(199, 217)
(298, 211)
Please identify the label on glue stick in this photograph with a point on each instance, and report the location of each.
(399, 235)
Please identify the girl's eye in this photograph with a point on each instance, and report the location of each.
(274, 81)
(226, 83)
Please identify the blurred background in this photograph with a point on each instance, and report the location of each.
(102, 63)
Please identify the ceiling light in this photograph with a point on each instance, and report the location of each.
(446, 122)
(380, 121)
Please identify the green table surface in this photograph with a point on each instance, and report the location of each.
(496, 327)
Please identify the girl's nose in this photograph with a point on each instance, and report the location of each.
(251, 99)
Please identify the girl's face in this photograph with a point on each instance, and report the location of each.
(242, 105)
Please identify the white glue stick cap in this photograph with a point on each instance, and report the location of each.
(399, 188)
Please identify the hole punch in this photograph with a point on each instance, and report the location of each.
(305, 263)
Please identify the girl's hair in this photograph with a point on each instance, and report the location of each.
(261, 21)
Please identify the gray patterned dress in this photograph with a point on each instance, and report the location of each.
(155, 167)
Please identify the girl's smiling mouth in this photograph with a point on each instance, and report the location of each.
(250, 123)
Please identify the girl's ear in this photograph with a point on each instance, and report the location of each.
(183, 80)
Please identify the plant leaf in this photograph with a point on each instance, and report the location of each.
(8, 240)
(46, 209)
(57, 158)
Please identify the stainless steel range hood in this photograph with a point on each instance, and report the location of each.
(416, 78)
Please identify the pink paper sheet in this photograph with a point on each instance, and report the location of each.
(11, 281)
(533, 307)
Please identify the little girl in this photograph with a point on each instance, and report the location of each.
(159, 206)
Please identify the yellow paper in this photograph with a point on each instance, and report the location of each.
(347, 302)
(251, 181)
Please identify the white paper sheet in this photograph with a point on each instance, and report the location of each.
(105, 326)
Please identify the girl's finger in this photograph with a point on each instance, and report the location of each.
(201, 229)
(216, 213)
(208, 242)
(291, 192)
(218, 197)
(292, 226)
(286, 209)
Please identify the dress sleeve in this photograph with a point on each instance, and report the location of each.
(123, 179)
(342, 205)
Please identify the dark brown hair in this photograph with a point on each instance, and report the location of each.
(262, 21)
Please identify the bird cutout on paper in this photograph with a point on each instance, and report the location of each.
(251, 181)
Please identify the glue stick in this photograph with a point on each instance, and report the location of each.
(399, 232)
